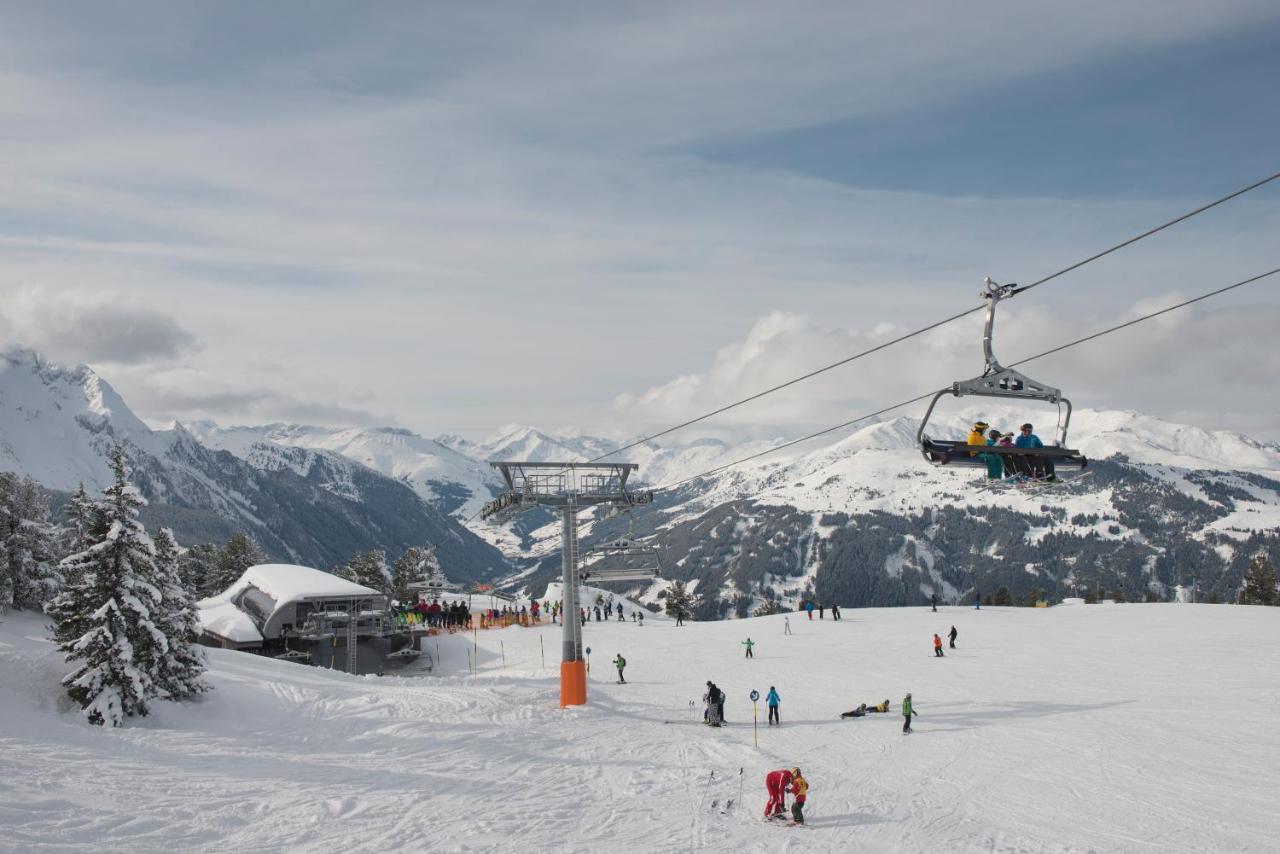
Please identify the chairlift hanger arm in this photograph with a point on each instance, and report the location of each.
(996, 381)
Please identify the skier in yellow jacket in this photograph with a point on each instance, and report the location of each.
(977, 435)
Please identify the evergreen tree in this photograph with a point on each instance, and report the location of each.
(195, 567)
(767, 607)
(179, 674)
(680, 602)
(1002, 597)
(1259, 583)
(370, 569)
(104, 620)
(240, 553)
(414, 566)
(79, 515)
(28, 574)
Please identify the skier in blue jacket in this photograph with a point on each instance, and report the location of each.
(1041, 467)
(772, 700)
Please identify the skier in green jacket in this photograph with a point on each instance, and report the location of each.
(620, 663)
(907, 712)
(749, 643)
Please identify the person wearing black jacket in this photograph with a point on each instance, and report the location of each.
(952, 635)
(714, 715)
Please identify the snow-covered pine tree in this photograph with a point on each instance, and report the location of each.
(78, 514)
(104, 620)
(195, 566)
(1259, 583)
(240, 553)
(28, 574)
(415, 565)
(680, 602)
(179, 675)
(370, 569)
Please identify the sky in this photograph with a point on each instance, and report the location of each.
(613, 217)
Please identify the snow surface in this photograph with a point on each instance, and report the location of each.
(1134, 728)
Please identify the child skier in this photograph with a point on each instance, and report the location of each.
(953, 636)
(937, 645)
(620, 663)
(800, 788)
(907, 712)
(776, 784)
(749, 643)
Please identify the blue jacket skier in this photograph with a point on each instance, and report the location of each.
(772, 700)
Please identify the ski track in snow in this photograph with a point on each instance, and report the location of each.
(1144, 728)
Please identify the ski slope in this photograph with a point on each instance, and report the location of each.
(1135, 728)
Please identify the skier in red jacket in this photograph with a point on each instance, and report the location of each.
(776, 782)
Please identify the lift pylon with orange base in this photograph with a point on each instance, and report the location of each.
(568, 487)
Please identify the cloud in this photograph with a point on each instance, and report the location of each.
(190, 394)
(92, 327)
(437, 213)
(1208, 365)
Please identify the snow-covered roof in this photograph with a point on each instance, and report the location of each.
(285, 584)
(227, 621)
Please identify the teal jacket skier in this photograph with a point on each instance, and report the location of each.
(749, 644)
(772, 700)
(620, 663)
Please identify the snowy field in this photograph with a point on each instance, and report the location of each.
(1087, 728)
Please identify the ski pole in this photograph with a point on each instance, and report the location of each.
(705, 789)
(503, 646)
(542, 646)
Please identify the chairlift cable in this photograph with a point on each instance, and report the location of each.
(1132, 240)
(929, 394)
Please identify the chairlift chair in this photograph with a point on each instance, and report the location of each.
(1005, 383)
(623, 559)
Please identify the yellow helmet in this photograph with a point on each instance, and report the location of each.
(795, 772)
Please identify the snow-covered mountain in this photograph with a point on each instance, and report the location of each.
(861, 515)
(531, 445)
(866, 519)
(312, 506)
(449, 480)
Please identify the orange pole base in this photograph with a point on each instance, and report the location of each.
(573, 683)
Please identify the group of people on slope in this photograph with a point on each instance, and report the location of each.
(778, 784)
(810, 607)
(937, 642)
(1002, 465)
(585, 614)
(864, 710)
(437, 614)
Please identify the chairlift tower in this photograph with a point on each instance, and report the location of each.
(568, 488)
